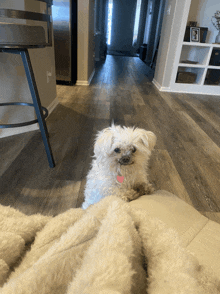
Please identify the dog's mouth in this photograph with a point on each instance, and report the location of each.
(125, 161)
(129, 163)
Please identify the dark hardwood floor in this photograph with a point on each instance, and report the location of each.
(186, 160)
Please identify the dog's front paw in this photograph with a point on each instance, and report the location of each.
(129, 195)
(144, 189)
(150, 189)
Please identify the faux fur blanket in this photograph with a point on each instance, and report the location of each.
(110, 248)
(16, 231)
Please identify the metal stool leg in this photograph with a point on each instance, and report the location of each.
(37, 104)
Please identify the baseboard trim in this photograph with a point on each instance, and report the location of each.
(86, 83)
(159, 87)
(91, 76)
(15, 131)
(82, 83)
(156, 84)
(190, 89)
(53, 105)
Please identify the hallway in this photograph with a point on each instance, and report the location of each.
(186, 160)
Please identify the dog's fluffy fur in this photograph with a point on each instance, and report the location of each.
(119, 151)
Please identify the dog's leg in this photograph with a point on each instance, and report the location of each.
(144, 189)
(128, 195)
(140, 189)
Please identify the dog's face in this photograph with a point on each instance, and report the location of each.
(123, 146)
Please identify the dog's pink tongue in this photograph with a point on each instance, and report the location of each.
(120, 179)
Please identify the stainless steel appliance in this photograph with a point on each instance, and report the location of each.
(64, 14)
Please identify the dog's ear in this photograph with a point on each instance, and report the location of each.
(103, 143)
(148, 139)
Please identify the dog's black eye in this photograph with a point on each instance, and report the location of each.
(117, 150)
(134, 149)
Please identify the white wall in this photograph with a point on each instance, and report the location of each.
(85, 42)
(172, 34)
(13, 82)
(82, 40)
(91, 37)
(165, 42)
(202, 12)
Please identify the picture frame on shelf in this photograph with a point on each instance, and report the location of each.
(194, 34)
(203, 34)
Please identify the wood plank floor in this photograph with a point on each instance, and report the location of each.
(186, 160)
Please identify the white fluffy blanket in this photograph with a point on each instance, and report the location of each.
(16, 231)
(109, 248)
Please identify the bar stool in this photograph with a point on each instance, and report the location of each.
(16, 39)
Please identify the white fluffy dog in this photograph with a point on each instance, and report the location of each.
(120, 164)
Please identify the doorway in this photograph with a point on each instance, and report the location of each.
(120, 27)
(120, 31)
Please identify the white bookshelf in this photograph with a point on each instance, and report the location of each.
(201, 54)
(173, 50)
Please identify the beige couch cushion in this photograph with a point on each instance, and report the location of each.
(199, 234)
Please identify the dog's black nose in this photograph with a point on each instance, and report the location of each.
(125, 159)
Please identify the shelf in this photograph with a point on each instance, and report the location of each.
(201, 44)
(192, 65)
(174, 75)
(199, 66)
(215, 57)
(190, 75)
(213, 67)
(212, 77)
(199, 54)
